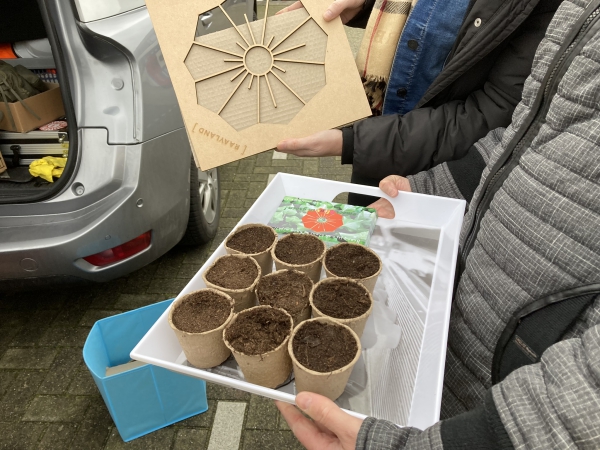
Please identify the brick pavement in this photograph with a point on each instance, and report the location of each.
(48, 399)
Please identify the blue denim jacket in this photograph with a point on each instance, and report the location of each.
(426, 41)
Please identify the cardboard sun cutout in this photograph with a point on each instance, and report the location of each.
(244, 89)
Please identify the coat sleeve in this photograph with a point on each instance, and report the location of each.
(552, 404)
(459, 178)
(428, 136)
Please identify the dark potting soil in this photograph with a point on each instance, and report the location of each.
(252, 240)
(288, 290)
(232, 272)
(341, 299)
(201, 311)
(299, 248)
(258, 331)
(324, 347)
(351, 261)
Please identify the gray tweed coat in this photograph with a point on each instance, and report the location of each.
(523, 360)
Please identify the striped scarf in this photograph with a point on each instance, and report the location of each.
(378, 47)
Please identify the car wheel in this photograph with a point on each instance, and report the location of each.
(205, 206)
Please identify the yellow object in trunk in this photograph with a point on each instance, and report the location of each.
(47, 167)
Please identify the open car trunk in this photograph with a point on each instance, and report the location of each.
(28, 38)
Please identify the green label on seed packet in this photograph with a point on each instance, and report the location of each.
(331, 222)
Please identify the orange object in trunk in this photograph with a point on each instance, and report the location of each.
(6, 52)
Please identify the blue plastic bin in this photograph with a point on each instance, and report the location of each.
(146, 398)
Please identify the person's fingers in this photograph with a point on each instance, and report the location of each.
(327, 414)
(384, 208)
(394, 183)
(337, 7)
(307, 432)
(323, 143)
(292, 7)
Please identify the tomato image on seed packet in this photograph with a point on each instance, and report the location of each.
(331, 222)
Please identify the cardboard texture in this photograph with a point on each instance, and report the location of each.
(244, 298)
(47, 105)
(203, 350)
(244, 89)
(368, 282)
(270, 369)
(264, 259)
(313, 269)
(328, 384)
(303, 315)
(357, 324)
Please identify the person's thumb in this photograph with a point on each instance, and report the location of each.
(335, 9)
(323, 411)
(394, 183)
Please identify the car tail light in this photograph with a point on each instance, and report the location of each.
(121, 252)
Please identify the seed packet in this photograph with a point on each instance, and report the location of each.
(331, 222)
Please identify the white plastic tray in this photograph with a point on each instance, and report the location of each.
(400, 374)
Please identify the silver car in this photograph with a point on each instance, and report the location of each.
(130, 190)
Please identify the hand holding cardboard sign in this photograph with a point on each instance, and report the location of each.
(323, 143)
(346, 9)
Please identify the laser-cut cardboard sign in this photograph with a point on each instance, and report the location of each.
(244, 89)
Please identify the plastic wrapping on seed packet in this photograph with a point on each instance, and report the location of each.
(331, 222)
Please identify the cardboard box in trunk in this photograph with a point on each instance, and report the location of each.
(47, 105)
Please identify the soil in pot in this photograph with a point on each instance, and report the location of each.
(351, 261)
(252, 240)
(286, 289)
(258, 331)
(324, 347)
(299, 249)
(341, 299)
(200, 312)
(233, 273)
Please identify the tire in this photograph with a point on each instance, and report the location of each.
(205, 206)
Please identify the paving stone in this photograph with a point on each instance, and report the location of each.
(286, 163)
(191, 439)
(188, 271)
(219, 392)
(95, 428)
(197, 255)
(236, 199)
(58, 436)
(61, 373)
(227, 173)
(244, 177)
(234, 212)
(203, 420)
(246, 166)
(6, 336)
(41, 318)
(229, 222)
(7, 377)
(91, 316)
(163, 285)
(255, 189)
(27, 358)
(134, 301)
(157, 440)
(13, 319)
(227, 426)
(283, 425)
(29, 337)
(18, 395)
(20, 436)
(167, 271)
(235, 185)
(53, 408)
(83, 384)
(310, 167)
(263, 159)
(249, 202)
(68, 317)
(262, 414)
(270, 440)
